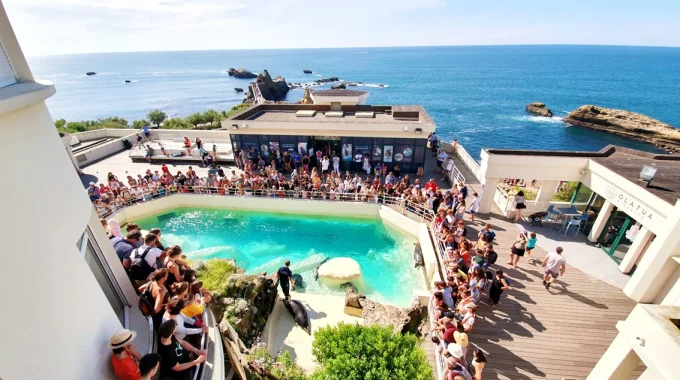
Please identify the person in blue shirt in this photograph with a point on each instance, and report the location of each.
(286, 279)
(145, 129)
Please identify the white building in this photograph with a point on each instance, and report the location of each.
(635, 222)
(63, 299)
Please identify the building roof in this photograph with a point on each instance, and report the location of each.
(338, 92)
(627, 163)
(406, 115)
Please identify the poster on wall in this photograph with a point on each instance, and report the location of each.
(387, 154)
(346, 152)
(265, 150)
(288, 146)
(274, 147)
(377, 152)
(302, 148)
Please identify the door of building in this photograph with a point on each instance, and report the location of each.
(616, 238)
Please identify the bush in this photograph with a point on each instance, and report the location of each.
(234, 110)
(177, 123)
(355, 352)
(215, 273)
(282, 367)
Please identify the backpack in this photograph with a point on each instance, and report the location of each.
(489, 236)
(146, 302)
(141, 270)
(491, 257)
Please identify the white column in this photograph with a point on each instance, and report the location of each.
(486, 198)
(618, 362)
(635, 250)
(546, 191)
(600, 221)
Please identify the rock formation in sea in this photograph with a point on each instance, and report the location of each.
(341, 86)
(627, 124)
(272, 89)
(327, 80)
(539, 109)
(90, 73)
(241, 73)
(306, 98)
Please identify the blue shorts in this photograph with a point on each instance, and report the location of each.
(530, 248)
(472, 212)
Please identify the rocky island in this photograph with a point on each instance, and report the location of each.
(241, 73)
(539, 109)
(627, 124)
(274, 89)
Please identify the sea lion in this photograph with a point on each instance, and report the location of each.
(299, 313)
(418, 256)
(316, 271)
(298, 281)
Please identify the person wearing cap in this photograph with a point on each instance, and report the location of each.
(125, 356)
(93, 192)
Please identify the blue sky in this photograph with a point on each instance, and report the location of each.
(46, 27)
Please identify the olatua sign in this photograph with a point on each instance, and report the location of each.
(630, 205)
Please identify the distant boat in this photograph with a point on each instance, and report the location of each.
(307, 71)
(128, 81)
(90, 73)
(238, 89)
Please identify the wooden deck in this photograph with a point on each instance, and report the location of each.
(539, 334)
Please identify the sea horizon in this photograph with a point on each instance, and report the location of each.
(475, 93)
(344, 47)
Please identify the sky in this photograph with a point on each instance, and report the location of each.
(51, 27)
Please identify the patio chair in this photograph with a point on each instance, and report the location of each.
(552, 212)
(574, 222)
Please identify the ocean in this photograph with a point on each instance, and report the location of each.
(474, 93)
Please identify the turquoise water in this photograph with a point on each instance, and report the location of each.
(474, 93)
(264, 241)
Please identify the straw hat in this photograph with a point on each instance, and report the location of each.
(461, 338)
(455, 350)
(121, 338)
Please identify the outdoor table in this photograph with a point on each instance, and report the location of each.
(567, 213)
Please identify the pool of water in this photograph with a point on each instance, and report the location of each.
(261, 242)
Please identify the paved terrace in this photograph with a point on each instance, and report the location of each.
(539, 334)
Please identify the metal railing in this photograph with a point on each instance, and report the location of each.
(438, 358)
(454, 175)
(468, 161)
(203, 345)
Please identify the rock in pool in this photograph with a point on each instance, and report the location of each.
(340, 270)
(539, 109)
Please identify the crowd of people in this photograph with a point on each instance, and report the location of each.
(170, 295)
(294, 176)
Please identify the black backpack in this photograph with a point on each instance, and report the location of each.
(491, 257)
(141, 270)
(489, 236)
(146, 302)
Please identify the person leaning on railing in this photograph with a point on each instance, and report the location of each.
(178, 357)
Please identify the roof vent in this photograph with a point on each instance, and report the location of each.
(303, 113)
(367, 115)
(334, 114)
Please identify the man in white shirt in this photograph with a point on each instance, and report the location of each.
(555, 265)
(152, 255)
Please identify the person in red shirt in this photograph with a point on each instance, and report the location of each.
(431, 185)
(125, 356)
(103, 189)
(165, 169)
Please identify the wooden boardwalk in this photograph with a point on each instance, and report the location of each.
(539, 334)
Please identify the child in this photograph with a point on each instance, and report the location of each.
(531, 244)
(474, 206)
(420, 171)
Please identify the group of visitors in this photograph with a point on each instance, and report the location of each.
(170, 295)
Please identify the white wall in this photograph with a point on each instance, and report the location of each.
(57, 322)
(532, 167)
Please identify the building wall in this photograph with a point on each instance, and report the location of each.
(305, 128)
(58, 320)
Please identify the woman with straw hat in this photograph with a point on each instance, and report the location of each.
(125, 356)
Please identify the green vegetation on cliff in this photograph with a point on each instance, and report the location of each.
(209, 119)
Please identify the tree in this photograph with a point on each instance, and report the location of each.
(195, 119)
(211, 116)
(157, 117)
(234, 110)
(60, 123)
(138, 124)
(177, 123)
(354, 352)
(76, 126)
(115, 120)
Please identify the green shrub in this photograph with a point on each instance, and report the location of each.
(157, 117)
(282, 367)
(234, 110)
(356, 352)
(177, 123)
(215, 273)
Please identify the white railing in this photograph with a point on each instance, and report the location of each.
(438, 358)
(469, 162)
(203, 345)
(502, 200)
(454, 175)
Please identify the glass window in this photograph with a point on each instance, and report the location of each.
(403, 153)
(103, 274)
